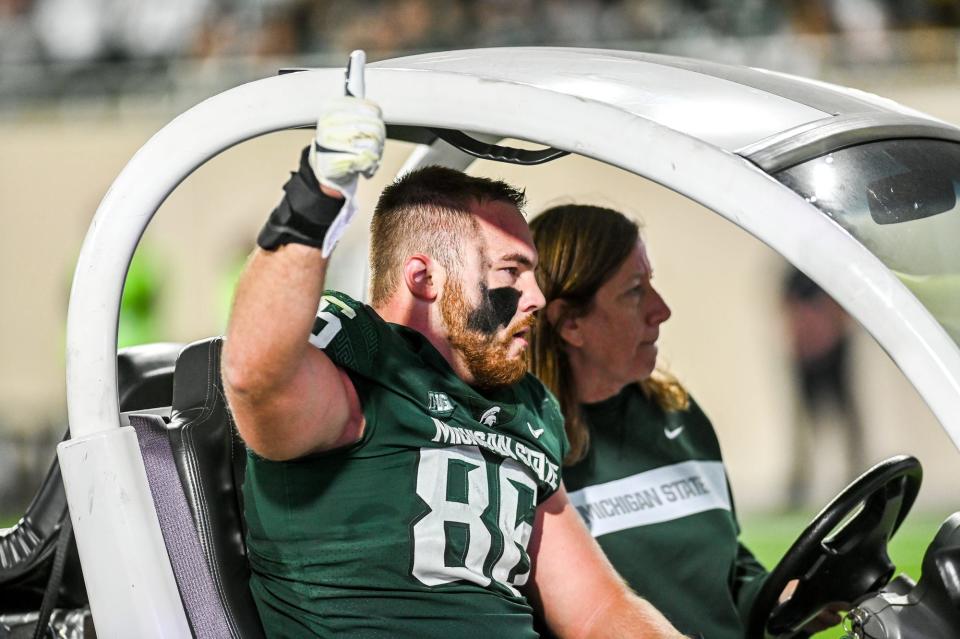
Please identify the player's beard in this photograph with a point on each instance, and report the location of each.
(486, 356)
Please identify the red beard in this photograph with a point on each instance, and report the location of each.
(486, 356)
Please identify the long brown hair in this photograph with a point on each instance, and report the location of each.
(581, 247)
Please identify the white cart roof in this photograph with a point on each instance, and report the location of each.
(737, 109)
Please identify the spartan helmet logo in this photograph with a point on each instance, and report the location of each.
(489, 417)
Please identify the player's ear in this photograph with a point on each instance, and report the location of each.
(564, 322)
(421, 278)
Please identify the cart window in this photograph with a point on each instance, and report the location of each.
(899, 198)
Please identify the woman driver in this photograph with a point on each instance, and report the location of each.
(644, 468)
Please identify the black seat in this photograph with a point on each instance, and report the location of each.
(145, 375)
(939, 587)
(211, 461)
(929, 608)
(144, 380)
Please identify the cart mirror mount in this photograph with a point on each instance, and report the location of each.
(910, 196)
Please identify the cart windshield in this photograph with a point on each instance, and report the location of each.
(899, 199)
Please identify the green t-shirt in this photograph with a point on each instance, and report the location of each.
(420, 529)
(654, 492)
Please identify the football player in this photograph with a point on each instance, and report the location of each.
(403, 473)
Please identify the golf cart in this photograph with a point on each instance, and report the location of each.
(855, 191)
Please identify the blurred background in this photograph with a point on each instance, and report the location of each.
(84, 83)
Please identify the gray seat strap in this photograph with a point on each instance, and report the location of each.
(197, 590)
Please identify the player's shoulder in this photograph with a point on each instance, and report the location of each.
(539, 400)
(350, 332)
(341, 303)
(537, 395)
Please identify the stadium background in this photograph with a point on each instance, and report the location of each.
(84, 83)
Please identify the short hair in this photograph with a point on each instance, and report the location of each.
(428, 211)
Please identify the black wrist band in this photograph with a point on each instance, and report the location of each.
(304, 214)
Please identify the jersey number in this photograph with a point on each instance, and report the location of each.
(332, 324)
(452, 542)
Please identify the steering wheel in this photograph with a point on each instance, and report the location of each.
(842, 555)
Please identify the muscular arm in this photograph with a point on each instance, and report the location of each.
(287, 397)
(576, 589)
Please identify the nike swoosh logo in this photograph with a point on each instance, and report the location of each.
(672, 433)
(535, 432)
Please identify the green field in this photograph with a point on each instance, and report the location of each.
(768, 536)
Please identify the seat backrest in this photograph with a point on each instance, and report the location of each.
(144, 380)
(211, 461)
(145, 375)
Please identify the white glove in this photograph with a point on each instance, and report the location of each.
(349, 142)
(350, 138)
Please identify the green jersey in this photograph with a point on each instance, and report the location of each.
(653, 491)
(419, 529)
